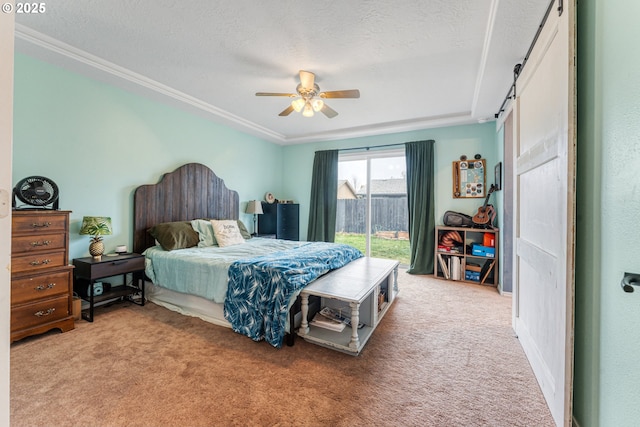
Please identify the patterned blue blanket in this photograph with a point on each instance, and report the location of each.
(260, 288)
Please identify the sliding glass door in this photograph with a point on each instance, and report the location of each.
(372, 203)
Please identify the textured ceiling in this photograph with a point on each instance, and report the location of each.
(417, 63)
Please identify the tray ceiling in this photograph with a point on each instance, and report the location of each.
(417, 63)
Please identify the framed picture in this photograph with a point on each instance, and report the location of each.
(497, 178)
(469, 179)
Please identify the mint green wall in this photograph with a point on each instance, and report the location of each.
(607, 336)
(451, 142)
(98, 143)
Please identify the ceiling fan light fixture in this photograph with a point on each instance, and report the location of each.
(298, 104)
(317, 104)
(308, 97)
(308, 110)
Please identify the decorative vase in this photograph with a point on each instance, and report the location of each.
(96, 249)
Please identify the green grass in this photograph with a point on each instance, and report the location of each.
(380, 248)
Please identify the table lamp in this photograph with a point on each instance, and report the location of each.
(96, 226)
(254, 207)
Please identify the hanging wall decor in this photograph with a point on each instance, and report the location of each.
(469, 180)
(497, 177)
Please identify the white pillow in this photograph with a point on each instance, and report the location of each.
(226, 232)
(205, 232)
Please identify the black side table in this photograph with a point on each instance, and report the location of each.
(88, 270)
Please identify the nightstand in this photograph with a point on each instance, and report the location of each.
(88, 270)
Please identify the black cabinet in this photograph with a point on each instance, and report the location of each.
(280, 219)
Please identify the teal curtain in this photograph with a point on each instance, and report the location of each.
(420, 197)
(324, 197)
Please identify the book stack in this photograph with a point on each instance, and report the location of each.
(328, 317)
(324, 322)
(451, 267)
(450, 249)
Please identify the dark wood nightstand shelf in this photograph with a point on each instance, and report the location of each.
(88, 270)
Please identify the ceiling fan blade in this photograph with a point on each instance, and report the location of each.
(290, 95)
(307, 79)
(351, 93)
(286, 111)
(328, 111)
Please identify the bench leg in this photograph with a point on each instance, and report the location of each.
(304, 312)
(395, 280)
(355, 319)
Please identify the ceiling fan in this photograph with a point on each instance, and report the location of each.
(308, 94)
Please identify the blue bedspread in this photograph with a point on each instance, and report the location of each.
(260, 288)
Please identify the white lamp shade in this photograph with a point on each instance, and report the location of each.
(254, 207)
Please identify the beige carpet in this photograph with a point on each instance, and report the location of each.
(445, 355)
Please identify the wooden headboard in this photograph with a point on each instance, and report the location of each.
(191, 191)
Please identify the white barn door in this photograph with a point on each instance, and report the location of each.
(544, 223)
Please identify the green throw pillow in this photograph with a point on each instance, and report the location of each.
(175, 235)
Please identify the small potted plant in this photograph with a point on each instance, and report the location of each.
(96, 227)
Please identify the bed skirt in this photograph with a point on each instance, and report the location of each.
(191, 305)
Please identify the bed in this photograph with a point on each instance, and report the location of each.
(251, 285)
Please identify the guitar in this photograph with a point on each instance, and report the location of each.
(486, 213)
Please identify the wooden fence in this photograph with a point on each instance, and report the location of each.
(387, 214)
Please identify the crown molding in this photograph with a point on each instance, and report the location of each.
(108, 68)
(455, 119)
(118, 76)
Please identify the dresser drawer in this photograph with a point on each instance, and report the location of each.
(39, 223)
(108, 268)
(35, 288)
(37, 261)
(43, 242)
(29, 315)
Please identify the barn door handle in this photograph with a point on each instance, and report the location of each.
(629, 281)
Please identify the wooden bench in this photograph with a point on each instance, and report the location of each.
(363, 290)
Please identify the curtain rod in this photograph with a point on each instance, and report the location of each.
(518, 67)
(375, 146)
(382, 146)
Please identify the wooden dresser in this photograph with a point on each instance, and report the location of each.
(41, 280)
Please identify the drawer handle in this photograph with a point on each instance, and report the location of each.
(44, 313)
(43, 243)
(40, 225)
(42, 287)
(44, 261)
(118, 262)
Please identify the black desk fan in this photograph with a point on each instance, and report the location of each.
(36, 191)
